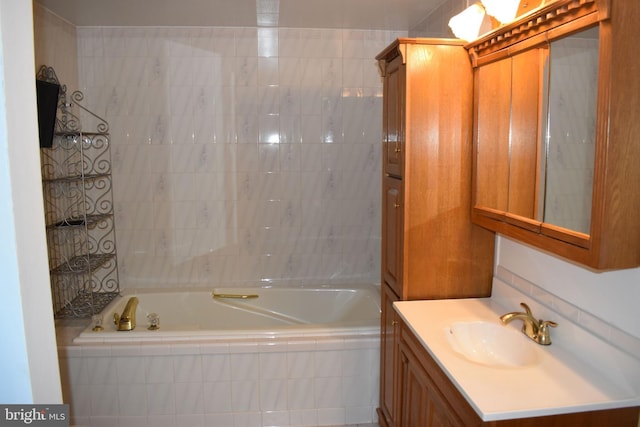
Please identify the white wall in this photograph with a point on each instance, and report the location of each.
(28, 360)
(610, 296)
(56, 45)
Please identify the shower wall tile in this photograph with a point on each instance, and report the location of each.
(240, 155)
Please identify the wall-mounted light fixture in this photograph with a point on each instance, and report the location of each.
(470, 23)
(504, 11)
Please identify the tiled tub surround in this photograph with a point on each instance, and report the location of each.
(240, 155)
(304, 381)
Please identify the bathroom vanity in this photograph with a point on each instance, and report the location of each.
(525, 385)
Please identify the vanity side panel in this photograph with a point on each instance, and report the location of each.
(617, 200)
(445, 254)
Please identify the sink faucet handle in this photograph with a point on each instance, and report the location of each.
(526, 309)
(544, 337)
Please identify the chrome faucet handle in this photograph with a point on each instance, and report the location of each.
(544, 337)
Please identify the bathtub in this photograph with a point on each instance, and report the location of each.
(293, 356)
(197, 314)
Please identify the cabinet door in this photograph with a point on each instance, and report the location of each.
(421, 402)
(392, 234)
(493, 113)
(394, 117)
(507, 133)
(388, 358)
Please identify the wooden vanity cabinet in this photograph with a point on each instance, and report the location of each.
(606, 234)
(427, 398)
(430, 248)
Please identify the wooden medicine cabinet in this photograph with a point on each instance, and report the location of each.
(557, 131)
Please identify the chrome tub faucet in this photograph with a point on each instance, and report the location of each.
(537, 330)
(127, 321)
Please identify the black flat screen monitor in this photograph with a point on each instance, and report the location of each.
(47, 95)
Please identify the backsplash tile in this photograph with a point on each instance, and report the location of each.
(604, 330)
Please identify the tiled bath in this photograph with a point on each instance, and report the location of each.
(312, 381)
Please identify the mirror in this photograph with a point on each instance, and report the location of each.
(570, 131)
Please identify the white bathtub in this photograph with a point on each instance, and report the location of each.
(293, 356)
(195, 314)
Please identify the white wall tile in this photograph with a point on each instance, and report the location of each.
(129, 421)
(305, 417)
(102, 370)
(245, 395)
(216, 367)
(130, 370)
(331, 416)
(167, 91)
(300, 364)
(161, 399)
(187, 368)
(273, 365)
(276, 419)
(104, 399)
(328, 392)
(273, 395)
(189, 398)
(132, 399)
(161, 420)
(301, 393)
(159, 369)
(191, 420)
(217, 397)
(219, 419)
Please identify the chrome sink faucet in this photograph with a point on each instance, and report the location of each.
(537, 330)
(127, 321)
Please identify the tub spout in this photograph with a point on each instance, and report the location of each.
(127, 321)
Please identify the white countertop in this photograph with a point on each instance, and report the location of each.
(559, 382)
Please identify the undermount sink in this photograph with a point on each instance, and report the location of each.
(491, 344)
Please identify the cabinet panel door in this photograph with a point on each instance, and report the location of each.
(493, 113)
(526, 78)
(394, 118)
(392, 234)
(388, 357)
(421, 402)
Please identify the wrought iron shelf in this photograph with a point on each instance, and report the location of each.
(83, 264)
(77, 191)
(89, 221)
(76, 178)
(86, 304)
(75, 134)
